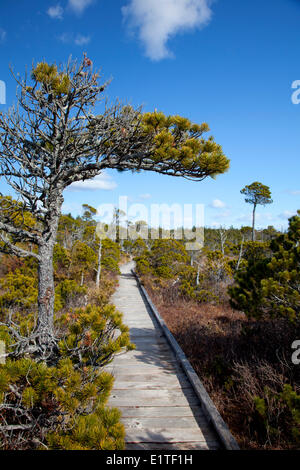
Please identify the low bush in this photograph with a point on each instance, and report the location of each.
(268, 284)
(18, 291)
(62, 404)
(69, 294)
(56, 407)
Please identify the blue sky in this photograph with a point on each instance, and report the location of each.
(229, 63)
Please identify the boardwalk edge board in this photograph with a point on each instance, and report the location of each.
(212, 414)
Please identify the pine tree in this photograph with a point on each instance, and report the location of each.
(52, 139)
(269, 285)
(256, 193)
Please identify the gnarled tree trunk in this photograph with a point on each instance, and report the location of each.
(44, 328)
(99, 264)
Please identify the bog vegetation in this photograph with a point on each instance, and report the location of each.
(234, 307)
(61, 403)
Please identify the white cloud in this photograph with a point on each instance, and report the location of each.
(223, 215)
(145, 196)
(79, 5)
(217, 204)
(102, 182)
(244, 218)
(263, 216)
(78, 39)
(81, 40)
(65, 37)
(286, 215)
(158, 20)
(217, 225)
(2, 35)
(72, 207)
(295, 193)
(259, 217)
(56, 12)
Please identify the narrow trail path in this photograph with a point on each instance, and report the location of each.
(160, 409)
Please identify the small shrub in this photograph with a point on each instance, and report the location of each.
(62, 405)
(68, 293)
(56, 407)
(100, 296)
(268, 286)
(91, 337)
(20, 291)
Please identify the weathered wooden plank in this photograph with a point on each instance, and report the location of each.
(163, 435)
(139, 361)
(160, 382)
(144, 332)
(168, 364)
(158, 398)
(147, 342)
(161, 376)
(147, 356)
(158, 412)
(156, 446)
(161, 363)
(142, 368)
(163, 392)
(164, 422)
(152, 348)
(142, 321)
(148, 386)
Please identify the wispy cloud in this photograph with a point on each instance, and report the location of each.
(72, 207)
(2, 35)
(295, 193)
(264, 216)
(56, 12)
(217, 204)
(244, 218)
(286, 215)
(223, 215)
(81, 40)
(78, 6)
(102, 181)
(78, 39)
(259, 217)
(158, 20)
(145, 196)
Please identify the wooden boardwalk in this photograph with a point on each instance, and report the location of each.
(160, 409)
